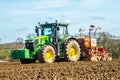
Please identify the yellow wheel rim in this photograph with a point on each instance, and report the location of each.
(49, 55)
(73, 52)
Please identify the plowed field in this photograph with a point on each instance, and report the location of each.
(80, 70)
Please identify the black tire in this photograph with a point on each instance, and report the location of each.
(46, 54)
(73, 50)
(27, 61)
(84, 56)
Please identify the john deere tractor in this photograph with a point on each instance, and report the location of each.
(52, 42)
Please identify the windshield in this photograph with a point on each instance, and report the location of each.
(48, 31)
(51, 31)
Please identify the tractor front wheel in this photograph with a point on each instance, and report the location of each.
(47, 54)
(72, 50)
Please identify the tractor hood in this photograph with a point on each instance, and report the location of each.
(43, 39)
(39, 40)
(32, 46)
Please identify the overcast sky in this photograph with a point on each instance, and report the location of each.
(18, 17)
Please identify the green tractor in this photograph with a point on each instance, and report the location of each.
(53, 43)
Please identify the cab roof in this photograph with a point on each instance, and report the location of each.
(54, 24)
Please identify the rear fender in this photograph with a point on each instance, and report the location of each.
(70, 39)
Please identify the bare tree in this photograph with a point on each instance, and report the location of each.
(31, 35)
(19, 40)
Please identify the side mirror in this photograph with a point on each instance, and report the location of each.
(36, 29)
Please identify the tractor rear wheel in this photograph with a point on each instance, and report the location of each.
(47, 54)
(72, 50)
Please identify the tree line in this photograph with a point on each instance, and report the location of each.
(104, 39)
(110, 43)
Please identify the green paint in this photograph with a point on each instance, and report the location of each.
(26, 53)
(49, 32)
(20, 54)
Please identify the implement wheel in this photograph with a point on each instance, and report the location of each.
(107, 57)
(94, 58)
(73, 50)
(47, 54)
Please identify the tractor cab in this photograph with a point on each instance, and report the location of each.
(57, 32)
(53, 29)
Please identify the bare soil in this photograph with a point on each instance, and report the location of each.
(80, 70)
